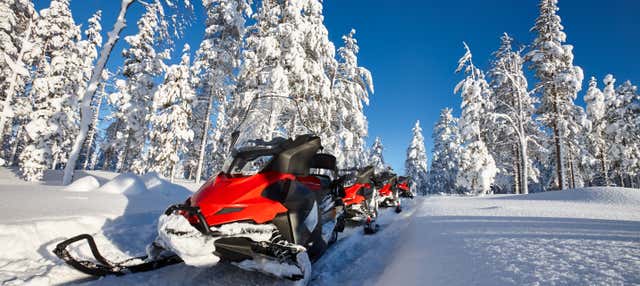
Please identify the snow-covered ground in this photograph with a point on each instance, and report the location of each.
(582, 237)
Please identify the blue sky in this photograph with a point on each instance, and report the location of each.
(412, 48)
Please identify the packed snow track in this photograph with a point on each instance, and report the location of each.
(589, 236)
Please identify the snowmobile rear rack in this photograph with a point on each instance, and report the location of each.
(105, 267)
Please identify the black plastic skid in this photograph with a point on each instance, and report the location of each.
(105, 267)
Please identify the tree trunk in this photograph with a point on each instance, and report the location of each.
(94, 127)
(92, 86)
(524, 163)
(603, 166)
(203, 143)
(571, 170)
(14, 148)
(516, 169)
(621, 179)
(559, 167)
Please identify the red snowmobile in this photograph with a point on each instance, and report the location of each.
(386, 183)
(266, 211)
(360, 199)
(404, 186)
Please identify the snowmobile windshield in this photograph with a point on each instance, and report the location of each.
(269, 121)
(246, 166)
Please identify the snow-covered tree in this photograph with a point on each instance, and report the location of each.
(559, 83)
(446, 154)
(216, 63)
(133, 101)
(622, 132)
(170, 129)
(16, 31)
(477, 167)
(288, 53)
(92, 85)
(376, 159)
(416, 163)
(53, 121)
(513, 109)
(351, 86)
(91, 146)
(596, 109)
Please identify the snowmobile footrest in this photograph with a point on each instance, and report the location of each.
(105, 267)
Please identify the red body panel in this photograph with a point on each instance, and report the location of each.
(404, 186)
(386, 191)
(243, 193)
(351, 194)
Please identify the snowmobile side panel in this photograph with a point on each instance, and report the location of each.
(230, 199)
(352, 194)
(300, 202)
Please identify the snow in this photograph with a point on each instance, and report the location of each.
(192, 246)
(83, 184)
(588, 236)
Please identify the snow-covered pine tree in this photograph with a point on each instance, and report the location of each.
(622, 133)
(477, 167)
(376, 159)
(351, 86)
(318, 63)
(559, 83)
(597, 141)
(16, 31)
(446, 153)
(416, 163)
(288, 53)
(216, 63)
(513, 111)
(59, 73)
(261, 72)
(142, 65)
(170, 129)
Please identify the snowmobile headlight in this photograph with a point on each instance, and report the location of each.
(228, 211)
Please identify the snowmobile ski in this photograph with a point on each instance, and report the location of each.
(105, 267)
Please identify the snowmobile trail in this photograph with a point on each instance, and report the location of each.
(342, 263)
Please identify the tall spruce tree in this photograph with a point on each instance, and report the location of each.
(477, 167)
(559, 83)
(446, 154)
(171, 132)
(217, 60)
(513, 110)
(416, 162)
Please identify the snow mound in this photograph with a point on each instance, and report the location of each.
(127, 184)
(601, 195)
(157, 184)
(84, 184)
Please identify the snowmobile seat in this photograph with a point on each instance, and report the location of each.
(324, 161)
(296, 156)
(365, 175)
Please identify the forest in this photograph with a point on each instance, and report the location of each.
(62, 109)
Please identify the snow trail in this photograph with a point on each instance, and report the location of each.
(588, 236)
